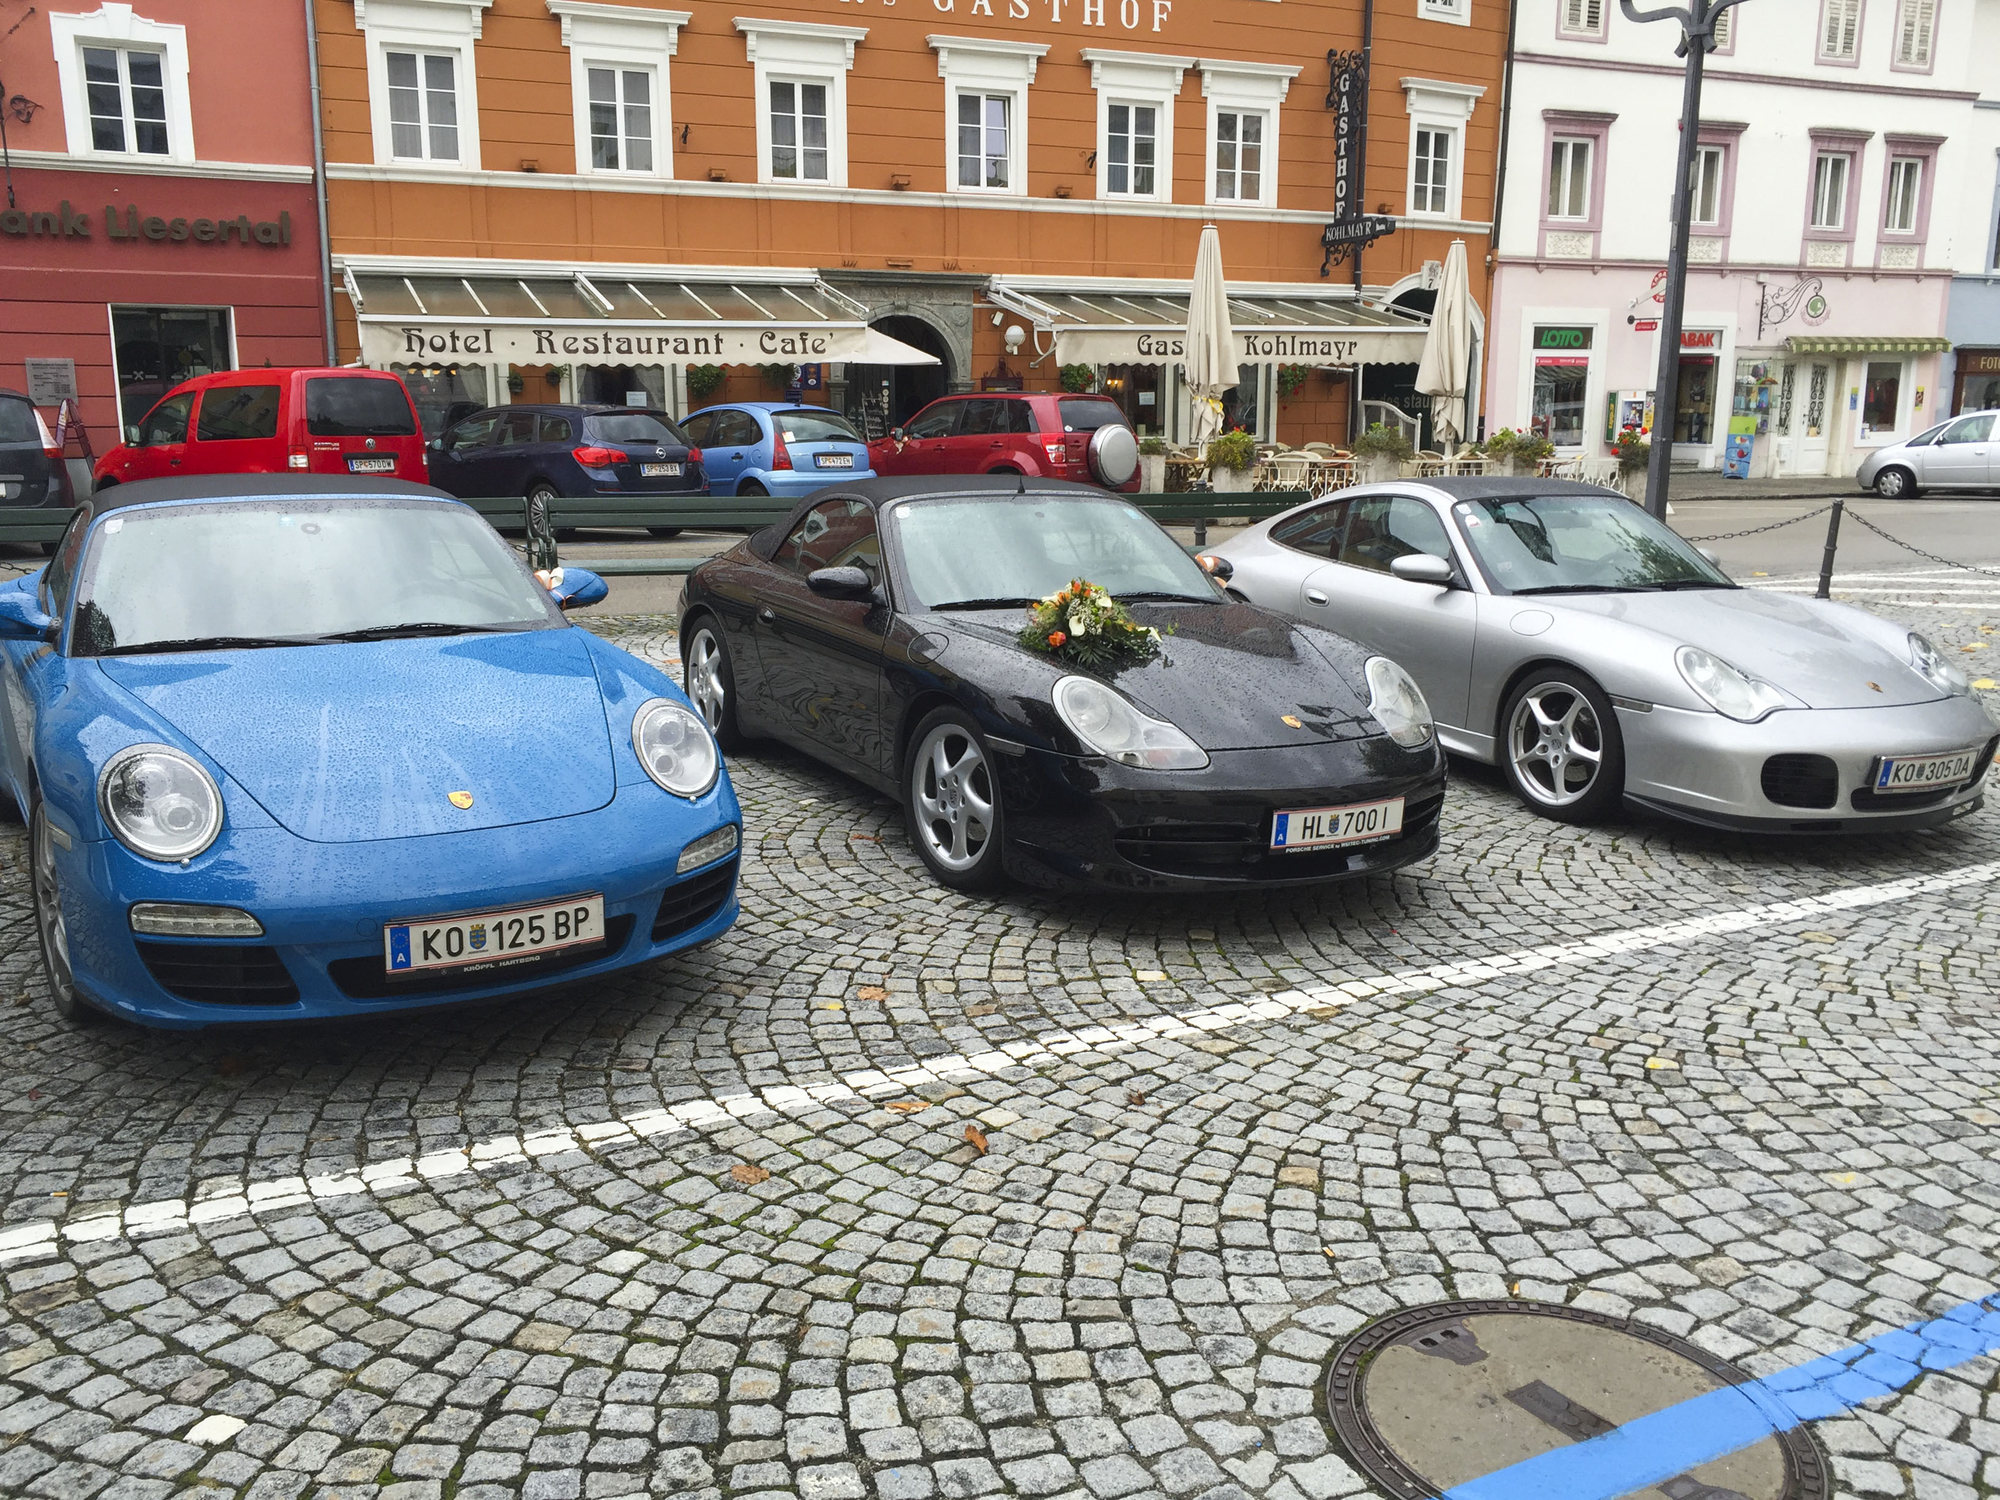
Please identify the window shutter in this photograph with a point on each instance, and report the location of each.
(1842, 20)
(1722, 29)
(1583, 17)
(1913, 35)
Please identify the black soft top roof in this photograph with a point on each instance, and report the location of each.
(260, 487)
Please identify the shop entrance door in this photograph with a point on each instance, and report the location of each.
(1815, 414)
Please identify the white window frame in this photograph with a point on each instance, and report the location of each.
(1848, 164)
(448, 26)
(1568, 147)
(1911, 15)
(628, 39)
(1833, 22)
(1245, 88)
(981, 65)
(1719, 154)
(801, 52)
(114, 25)
(1437, 105)
(1451, 12)
(1899, 166)
(1147, 79)
(1582, 8)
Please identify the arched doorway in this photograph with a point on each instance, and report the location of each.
(1397, 384)
(883, 396)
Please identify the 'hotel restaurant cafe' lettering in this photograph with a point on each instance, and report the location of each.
(130, 224)
(800, 344)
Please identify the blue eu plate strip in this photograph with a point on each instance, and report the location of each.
(399, 947)
(1674, 1440)
(1278, 833)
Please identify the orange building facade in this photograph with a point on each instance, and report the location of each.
(873, 202)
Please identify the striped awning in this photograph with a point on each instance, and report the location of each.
(1811, 344)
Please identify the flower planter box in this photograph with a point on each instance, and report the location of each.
(1153, 473)
(1229, 481)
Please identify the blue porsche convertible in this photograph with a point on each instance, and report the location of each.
(297, 747)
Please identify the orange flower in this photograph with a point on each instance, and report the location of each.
(1056, 639)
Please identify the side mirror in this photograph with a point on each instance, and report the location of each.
(840, 583)
(572, 588)
(896, 433)
(132, 437)
(436, 445)
(1422, 567)
(1221, 569)
(21, 617)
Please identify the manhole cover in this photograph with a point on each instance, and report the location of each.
(1436, 1396)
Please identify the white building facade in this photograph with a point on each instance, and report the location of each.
(1845, 173)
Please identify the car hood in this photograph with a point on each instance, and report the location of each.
(1824, 655)
(1227, 674)
(345, 743)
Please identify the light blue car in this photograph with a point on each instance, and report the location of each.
(775, 448)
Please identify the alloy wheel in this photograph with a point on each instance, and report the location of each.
(50, 927)
(705, 684)
(1556, 744)
(953, 797)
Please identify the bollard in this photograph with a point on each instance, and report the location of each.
(1832, 541)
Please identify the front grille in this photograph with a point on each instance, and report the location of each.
(694, 900)
(1801, 781)
(1867, 799)
(219, 973)
(1242, 850)
(367, 979)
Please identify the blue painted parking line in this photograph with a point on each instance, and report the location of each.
(1678, 1438)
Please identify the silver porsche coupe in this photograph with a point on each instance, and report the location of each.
(1562, 633)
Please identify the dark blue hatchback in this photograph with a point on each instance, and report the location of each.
(574, 451)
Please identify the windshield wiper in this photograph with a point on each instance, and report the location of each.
(211, 643)
(1157, 596)
(411, 627)
(1011, 603)
(1693, 583)
(1586, 588)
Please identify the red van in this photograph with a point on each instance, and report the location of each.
(313, 421)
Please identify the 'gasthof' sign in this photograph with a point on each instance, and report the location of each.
(1129, 15)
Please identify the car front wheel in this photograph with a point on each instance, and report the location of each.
(1561, 748)
(50, 929)
(951, 796)
(1896, 484)
(711, 684)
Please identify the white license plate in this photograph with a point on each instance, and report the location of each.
(834, 460)
(371, 464)
(660, 471)
(1317, 827)
(1920, 773)
(492, 939)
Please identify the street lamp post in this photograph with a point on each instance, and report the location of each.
(1697, 23)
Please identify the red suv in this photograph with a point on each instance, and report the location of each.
(1084, 438)
(313, 421)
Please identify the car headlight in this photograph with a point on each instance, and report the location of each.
(675, 747)
(1938, 672)
(1728, 691)
(1397, 703)
(159, 803)
(1108, 724)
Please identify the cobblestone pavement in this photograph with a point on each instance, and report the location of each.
(890, 1192)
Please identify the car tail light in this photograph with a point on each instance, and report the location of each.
(601, 458)
(1058, 451)
(781, 456)
(694, 455)
(298, 458)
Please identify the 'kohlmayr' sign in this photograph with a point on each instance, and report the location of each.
(390, 341)
(1286, 346)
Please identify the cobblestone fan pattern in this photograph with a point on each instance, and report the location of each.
(891, 1193)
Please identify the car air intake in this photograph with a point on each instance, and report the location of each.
(220, 973)
(1801, 781)
(693, 901)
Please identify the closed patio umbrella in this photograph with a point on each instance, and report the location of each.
(1210, 367)
(1448, 348)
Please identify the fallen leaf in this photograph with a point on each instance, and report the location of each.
(978, 1138)
(1135, 1097)
(908, 1106)
(1986, 684)
(871, 992)
(1150, 976)
(34, 1093)
(1661, 1062)
(1975, 646)
(982, 1010)
(865, 838)
(1327, 1251)
(749, 1175)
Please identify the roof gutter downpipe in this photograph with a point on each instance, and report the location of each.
(1499, 198)
(319, 184)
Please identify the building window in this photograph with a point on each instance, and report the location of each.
(423, 106)
(1131, 145)
(1906, 181)
(153, 349)
(1725, 31)
(1569, 179)
(127, 93)
(1583, 18)
(1430, 170)
(1840, 31)
(1829, 205)
(984, 153)
(1705, 185)
(1562, 381)
(986, 112)
(621, 119)
(1916, 28)
(798, 130)
(1239, 156)
(1453, 12)
(1881, 399)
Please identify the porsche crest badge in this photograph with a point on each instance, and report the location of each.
(1294, 720)
(460, 799)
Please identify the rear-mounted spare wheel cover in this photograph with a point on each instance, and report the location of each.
(1114, 454)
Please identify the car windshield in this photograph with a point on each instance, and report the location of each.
(1009, 549)
(298, 572)
(633, 427)
(1578, 544)
(814, 427)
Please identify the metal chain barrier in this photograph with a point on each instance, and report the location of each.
(1912, 547)
(1725, 536)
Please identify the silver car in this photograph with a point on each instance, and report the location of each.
(1562, 633)
(1962, 454)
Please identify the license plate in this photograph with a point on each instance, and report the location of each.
(660, 471)
(1920, 773)
(371, 463)
(492, 939)
(834, 460)
(1318, 827)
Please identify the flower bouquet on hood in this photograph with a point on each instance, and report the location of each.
(1085, 625)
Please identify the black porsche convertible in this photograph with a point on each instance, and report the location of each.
(876, 629)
